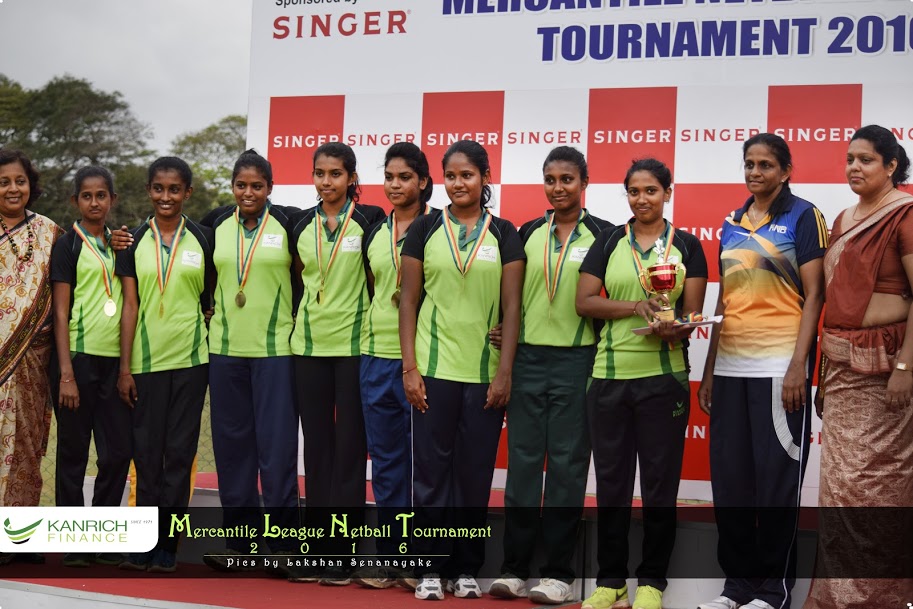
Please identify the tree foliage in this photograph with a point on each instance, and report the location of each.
(65, 125)
(213, 150)
(13, 101)
(68, 123)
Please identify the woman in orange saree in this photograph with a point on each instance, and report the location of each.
(865, 550)
(26, 340)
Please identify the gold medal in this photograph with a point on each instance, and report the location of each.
(461, 265)
(348, 210)
(110, 307)
(394, 255)
(246, 260)
(554, 272)
(163, 269)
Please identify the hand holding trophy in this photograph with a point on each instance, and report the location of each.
(661, 278)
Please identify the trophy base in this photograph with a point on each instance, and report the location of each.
(666, 314)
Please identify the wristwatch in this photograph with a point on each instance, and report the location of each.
(903, 367)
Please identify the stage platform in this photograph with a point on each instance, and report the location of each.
(23, 586)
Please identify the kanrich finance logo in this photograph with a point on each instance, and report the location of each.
(79, 529)
(21, 535)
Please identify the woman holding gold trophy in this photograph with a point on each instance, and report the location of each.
(639, 400)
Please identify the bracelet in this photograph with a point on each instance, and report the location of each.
(634, 310)
(122, 374)
(405, 372)
(66, 380)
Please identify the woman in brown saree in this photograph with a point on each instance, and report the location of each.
(25, 331)
(865, 388)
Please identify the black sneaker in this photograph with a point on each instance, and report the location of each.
(136, 562)
(219, 561)
(282, 569)
(304, 575)
(108, 558)
(335, 576)
(74, 559)
(29, 558)
(164, 561)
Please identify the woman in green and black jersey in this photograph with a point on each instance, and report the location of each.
(469, 266)
(327, 245)
(388, 415)
(546, 416)
(251, 386)
(87, 306)
(164, 355)
(638, 402)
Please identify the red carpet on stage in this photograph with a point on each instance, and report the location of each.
(247, 593)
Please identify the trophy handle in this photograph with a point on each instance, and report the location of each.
(645, 282)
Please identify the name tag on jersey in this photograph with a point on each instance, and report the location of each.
(272, 240)
(351, 244)
(193, 259)
(578, 254)
(488, 253)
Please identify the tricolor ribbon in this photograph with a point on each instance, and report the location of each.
(318, 244)
(463, 267)
(394, 252)
(92, 244)
(164, 268)
(553, 273)
(245, 261)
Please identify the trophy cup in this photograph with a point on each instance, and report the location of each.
(661, 279)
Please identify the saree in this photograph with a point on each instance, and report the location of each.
(865, 534)
(26, 342)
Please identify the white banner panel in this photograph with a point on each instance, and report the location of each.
(686, 81)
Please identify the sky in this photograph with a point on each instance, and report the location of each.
(180, 64)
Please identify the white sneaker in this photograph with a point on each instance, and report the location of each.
(722, 602)
(758, 604)
(429, 588)
(508, 587)
(551, 592)
(465, 586)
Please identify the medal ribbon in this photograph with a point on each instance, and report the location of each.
(318, 245)
(92, 244)
(159, 259)
(394, 239)
(638, 266)
(245, 261)
(552, 288)
(454, 244)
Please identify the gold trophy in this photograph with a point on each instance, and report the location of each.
(661, 279)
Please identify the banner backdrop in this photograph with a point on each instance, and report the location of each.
(686, 81)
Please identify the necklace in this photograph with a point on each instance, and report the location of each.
(30, 238)
(753, 218)
(874, 207)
